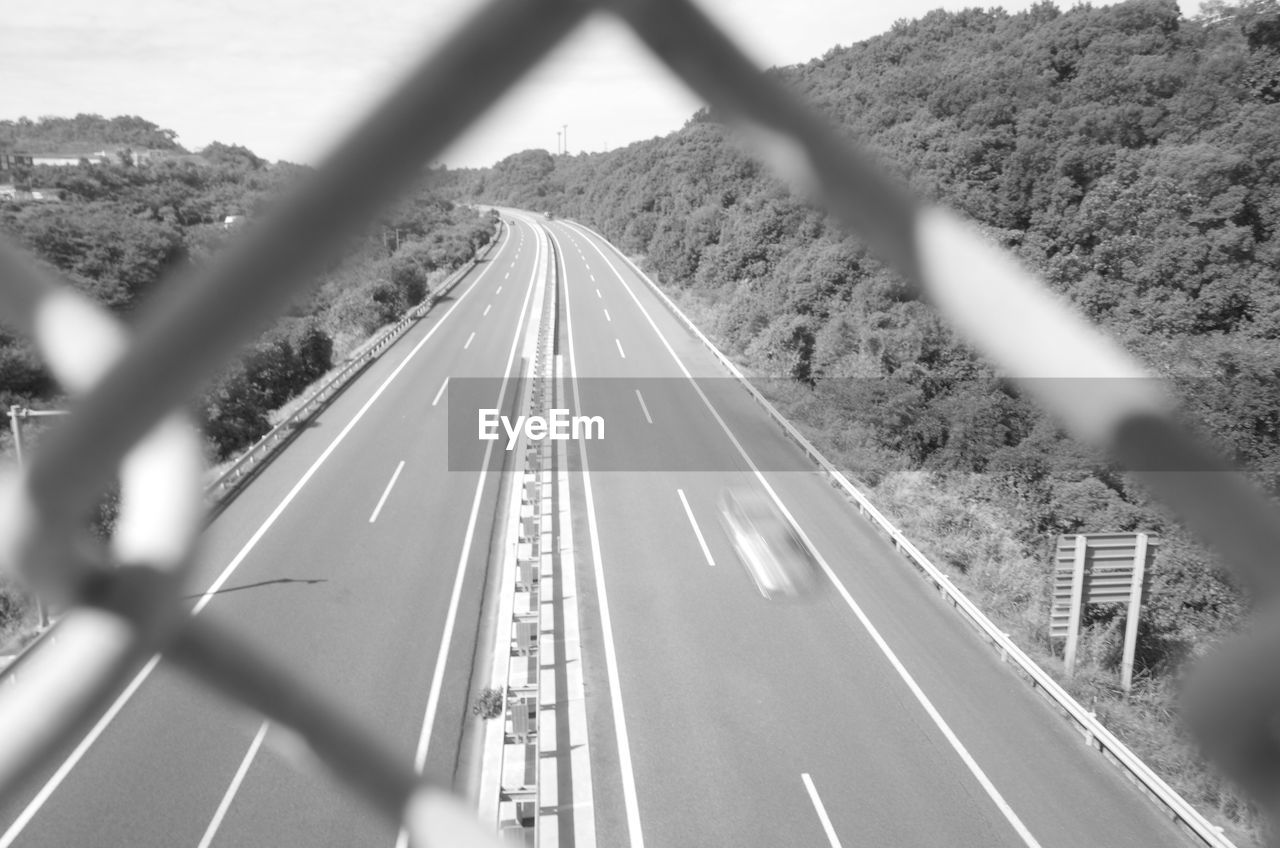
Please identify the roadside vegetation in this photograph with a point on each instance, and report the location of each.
(1130, 155)
(115, 229)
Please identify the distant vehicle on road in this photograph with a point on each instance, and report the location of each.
(778, 560)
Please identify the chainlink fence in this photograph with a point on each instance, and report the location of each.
(129, 388)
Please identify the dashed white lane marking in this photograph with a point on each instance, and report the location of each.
(451, 617)
(221, 813)
(443, 386)
(599, 295)
(644, 407)
(630, 802)
(822, 811)
(607, 317)
(486, 310)
(77, 754)
(697, 531)
(469, 338)
(499, 291)
(962, 752)
(386, 492)
(621, 352)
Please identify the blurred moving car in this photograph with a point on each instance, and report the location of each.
(775, 556)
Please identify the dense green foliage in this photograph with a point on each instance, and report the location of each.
(84, 134)
(1130, 155)
(120, 229)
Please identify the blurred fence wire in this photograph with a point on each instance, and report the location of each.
(129, 390)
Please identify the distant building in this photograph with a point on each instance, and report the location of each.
(8, 191)
(73, 155)
(68, 161)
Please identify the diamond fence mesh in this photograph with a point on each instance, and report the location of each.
(129, 387)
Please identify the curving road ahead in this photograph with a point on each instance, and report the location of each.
(869, 716)
(356, 559)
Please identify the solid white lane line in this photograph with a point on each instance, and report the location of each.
(644, 407)
(469, 338)
(220, 814)
(387, 491)
(702, 542)
(629, 799)
(994, 794)
(20, 823)
(440, 393)
(51, 786)
(606, 316)
(584, 822)
(486, 310)
(822, 811)
(621, 353)
(437, 676)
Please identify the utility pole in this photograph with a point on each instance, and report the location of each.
(559, 149)
(16, 416)
(565, 129)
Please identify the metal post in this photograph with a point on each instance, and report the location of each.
(1135, 611)
(16, 414)
(1077, 605)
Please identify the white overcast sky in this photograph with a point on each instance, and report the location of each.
(286, 77)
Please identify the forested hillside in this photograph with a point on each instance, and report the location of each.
(84, 134)
(1131, 155)
(118, 230)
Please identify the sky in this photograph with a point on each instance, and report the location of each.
(286, 78)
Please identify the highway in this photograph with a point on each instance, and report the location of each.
(356, 560)
(871, 715)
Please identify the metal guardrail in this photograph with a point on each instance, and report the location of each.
(531, 713)
(128, 387)
(1095, 733)
(248, 463)
(253, 459)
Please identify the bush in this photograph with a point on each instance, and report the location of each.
(488, 704)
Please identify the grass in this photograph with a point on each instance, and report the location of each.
(973, 539)
(953, 519)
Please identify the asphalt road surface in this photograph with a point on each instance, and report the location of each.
(868, 715)
(356, 603)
